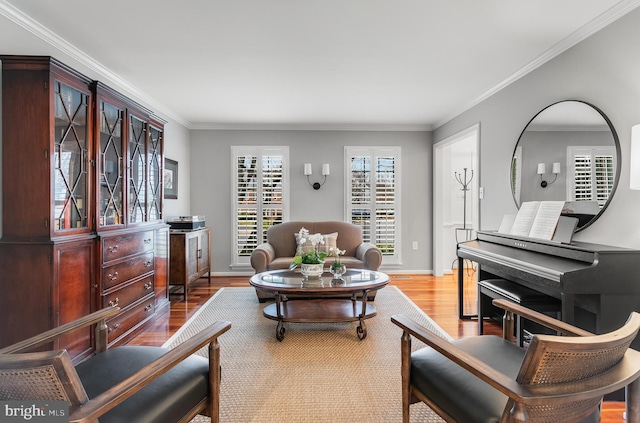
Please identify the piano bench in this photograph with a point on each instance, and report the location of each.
(491, 289)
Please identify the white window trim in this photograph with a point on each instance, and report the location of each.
(243, 262)
(388, 261)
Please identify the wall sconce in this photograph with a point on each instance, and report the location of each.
(542, 169)
(308, 172)
(634, 165)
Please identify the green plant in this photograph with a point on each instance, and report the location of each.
(312, 256)
(337, 253)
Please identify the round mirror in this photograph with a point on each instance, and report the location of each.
(569, 151)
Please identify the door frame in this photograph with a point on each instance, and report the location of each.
(442, 162)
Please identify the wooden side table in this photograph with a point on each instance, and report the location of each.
(190, 257)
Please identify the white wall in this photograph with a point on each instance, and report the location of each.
(176, 147)
(603, 70)
(211, 183)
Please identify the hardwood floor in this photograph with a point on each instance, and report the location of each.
(436, 296)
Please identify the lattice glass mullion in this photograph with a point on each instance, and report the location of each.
(110, 166)
(70, 158)
(137, 170)
(155, 164)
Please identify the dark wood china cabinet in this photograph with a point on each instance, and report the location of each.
(82, 221)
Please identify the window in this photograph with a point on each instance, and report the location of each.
(261, 191)
(373, 203)
(593, 173)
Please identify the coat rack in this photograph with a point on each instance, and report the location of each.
(464, 181)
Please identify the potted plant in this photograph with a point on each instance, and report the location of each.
(337, 268)
(311, 261)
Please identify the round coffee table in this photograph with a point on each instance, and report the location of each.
(319, 300)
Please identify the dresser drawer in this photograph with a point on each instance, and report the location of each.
(129, 294)
(126, 270)
(129, 319)
(120, 246)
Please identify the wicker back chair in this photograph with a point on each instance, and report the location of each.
(141, 384)
(488, 378)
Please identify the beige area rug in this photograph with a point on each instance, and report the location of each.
(318, 373)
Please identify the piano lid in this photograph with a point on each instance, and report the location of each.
(581, 251)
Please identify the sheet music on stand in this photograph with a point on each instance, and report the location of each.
(540, 220)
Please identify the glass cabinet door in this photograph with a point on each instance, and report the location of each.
(70, 158)
(155, 177)
(110, 171)
(137, 170)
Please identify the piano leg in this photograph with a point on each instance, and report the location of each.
(568, 310)
(461, 314)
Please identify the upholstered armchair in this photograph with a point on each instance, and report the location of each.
(490, 379)
(122, 384)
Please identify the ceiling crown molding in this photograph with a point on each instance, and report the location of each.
(311, 127)
(611, 15)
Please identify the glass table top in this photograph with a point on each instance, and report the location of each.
(353, 279)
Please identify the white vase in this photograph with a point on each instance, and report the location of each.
(311, 270)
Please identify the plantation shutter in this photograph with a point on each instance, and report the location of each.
(372, 196)
(592, 169)
(260, 193)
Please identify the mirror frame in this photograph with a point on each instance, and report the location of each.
(616, 142)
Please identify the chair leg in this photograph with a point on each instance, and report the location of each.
(633, 401)
(406, 376)
(507, 325)
(214, 381)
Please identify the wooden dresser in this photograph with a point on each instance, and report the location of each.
(82, 205)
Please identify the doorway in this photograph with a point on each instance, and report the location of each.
(456, 206)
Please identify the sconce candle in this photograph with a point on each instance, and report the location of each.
(308, 172)
(542, 169)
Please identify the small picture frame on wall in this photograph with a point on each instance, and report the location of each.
(170, 178)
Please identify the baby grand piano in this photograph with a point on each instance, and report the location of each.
(598, 285)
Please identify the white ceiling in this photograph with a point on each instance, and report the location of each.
(405, 64)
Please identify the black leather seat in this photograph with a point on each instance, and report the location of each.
(166, 399)
(461, 395)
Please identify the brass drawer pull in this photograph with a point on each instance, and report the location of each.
(147, 241)
(113, 276)
(114, 327)
(148, 308)
(114, 303)
(113, 248)
(147, 263)
(148, 285)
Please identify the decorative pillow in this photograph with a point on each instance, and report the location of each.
(330, 243)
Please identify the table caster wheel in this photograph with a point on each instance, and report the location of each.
(280, 331)
(362, 332)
